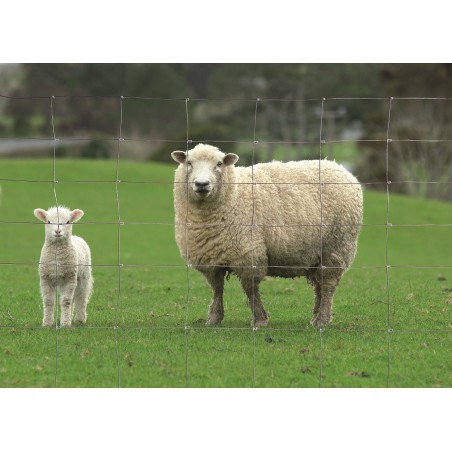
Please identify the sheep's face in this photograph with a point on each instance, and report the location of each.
(204, 167)
(58, 222)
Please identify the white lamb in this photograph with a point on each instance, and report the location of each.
(277, 219)
(65, 265)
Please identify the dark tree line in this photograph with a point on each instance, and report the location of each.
(222, 108)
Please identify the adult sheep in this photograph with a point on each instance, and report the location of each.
(278, 219)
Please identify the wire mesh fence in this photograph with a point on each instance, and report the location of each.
(120, 265)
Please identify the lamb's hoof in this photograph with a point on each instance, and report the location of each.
(80, 318)
(47, 324)
(79, 322)
(256, 323)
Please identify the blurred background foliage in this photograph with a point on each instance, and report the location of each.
(222, 110)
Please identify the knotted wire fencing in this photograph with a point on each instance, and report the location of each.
(393, 145)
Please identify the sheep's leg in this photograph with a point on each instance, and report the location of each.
(322, 313)
(251, 288)
(317, 298)
(325, 286)
(48, 292)
(216, 310)
(67, 296)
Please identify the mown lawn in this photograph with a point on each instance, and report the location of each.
(146, 318)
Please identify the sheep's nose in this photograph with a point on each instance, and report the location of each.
(202, 183)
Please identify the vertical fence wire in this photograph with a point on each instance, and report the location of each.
(187, 264)
(388, 224)
(118, 297)
(321, 141)
(253, 224)
(52, 98)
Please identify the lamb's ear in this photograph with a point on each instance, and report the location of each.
(76, 215)
(40, 214)
(230, 159)
(179, 156)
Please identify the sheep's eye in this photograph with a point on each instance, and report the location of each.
(219, 164)
(189, 164)
(48, 222)
(67, 222)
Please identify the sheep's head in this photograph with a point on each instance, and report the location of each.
(58, 221)
(203, 168)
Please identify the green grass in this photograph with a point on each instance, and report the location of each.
(151, 347)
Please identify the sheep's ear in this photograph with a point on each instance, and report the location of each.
(179, 156)
(76, 215)
(230, 159)
(40, 214)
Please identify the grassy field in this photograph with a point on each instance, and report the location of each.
(136, 336)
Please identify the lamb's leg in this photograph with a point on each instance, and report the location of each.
(80, 303)
(216, 281)
(81, 298)
(48, 292)
(67, 296)
(251, 288)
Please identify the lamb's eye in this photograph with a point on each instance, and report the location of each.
(67, 222)
(189, 164)
(48, 222)
(219, 164)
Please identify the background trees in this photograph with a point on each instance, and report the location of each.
(222, 109)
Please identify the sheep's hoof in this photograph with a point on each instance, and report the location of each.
(320, 321)
(79, 322)
(255, 323)
(214, 320)
(47, 324)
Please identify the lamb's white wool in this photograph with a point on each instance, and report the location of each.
(65, 265)
(273, 219)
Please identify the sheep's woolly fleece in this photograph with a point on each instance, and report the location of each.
(267, 218)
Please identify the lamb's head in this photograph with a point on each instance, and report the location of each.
(58, 222)
(204, 168)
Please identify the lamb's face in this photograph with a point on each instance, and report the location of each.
(203, 169)
(58, 222)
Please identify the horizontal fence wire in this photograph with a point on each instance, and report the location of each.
(231, 99)
(175, 266)
(250, 142)
(88, 181)
(183, 328)
(241, 225)
(256, 144)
